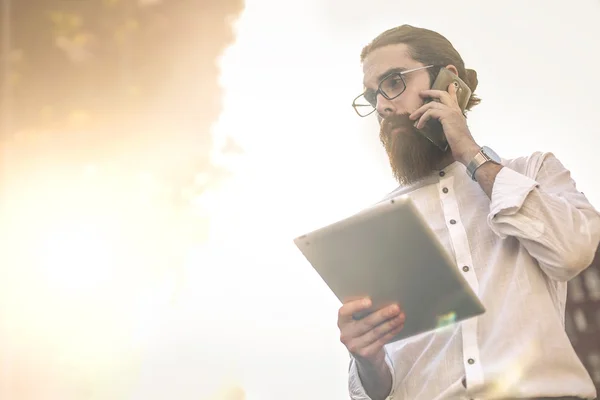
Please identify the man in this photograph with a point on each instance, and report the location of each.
(517, 229)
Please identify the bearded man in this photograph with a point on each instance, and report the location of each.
(517, 229)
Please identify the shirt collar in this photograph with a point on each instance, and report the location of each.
(453, 169)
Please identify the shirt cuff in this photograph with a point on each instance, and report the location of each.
(355, 386)
(509, 193)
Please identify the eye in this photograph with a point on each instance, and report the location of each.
(395, 82)
(393, 86)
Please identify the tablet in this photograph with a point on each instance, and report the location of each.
(389, 253)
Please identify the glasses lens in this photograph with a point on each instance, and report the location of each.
(362, 106)
(393, 86)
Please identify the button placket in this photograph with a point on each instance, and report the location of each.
(464, 261)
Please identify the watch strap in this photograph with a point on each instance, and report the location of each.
(478, 160)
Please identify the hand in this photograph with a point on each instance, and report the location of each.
(365, 338)
(447, 111)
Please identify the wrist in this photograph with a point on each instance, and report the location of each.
(468, 153)
(375, 364)
(373, 367)
(376, 377)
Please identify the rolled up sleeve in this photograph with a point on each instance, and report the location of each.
(549, 216)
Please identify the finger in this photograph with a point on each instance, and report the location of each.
(352, 307)
(421, 110)
(431, 113)
(441, 95)
(452, 90)
(357, 343)
(368, 345)
(377, 318)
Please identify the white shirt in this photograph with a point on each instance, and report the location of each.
(517, 253)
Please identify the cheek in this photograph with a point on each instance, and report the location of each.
(409, 101)
(414, 90)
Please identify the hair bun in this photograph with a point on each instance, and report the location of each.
(472, 79)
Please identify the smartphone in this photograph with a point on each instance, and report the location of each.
(433, 128)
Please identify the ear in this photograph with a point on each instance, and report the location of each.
(452, 69)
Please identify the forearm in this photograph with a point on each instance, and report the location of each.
(561, 237)
(376, 379)
(484, 175)
(545, 212)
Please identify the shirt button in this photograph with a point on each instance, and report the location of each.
(442, 173)
(466, 268)
(453, 221)
(445, 190)
(471, 361)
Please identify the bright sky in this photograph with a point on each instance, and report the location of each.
(254, 312)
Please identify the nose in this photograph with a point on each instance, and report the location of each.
(384, 107)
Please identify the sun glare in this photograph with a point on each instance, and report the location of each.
(245, 317)
(77, 258)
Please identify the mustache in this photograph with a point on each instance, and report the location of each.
(402, 121)
(393, 122)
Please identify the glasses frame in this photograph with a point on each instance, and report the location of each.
(380, 91)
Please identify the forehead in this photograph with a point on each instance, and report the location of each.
(384, 59)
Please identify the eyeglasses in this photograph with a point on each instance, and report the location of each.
(390, 87)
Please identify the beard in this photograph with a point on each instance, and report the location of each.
(412, 156)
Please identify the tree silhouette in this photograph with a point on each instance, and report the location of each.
(113, 101)
(105, 67)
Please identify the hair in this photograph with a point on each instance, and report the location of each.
(430, 48)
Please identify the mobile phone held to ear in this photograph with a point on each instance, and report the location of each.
(433, 128)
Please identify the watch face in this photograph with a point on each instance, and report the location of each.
(491, 154)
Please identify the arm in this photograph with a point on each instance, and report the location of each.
(371, 372)
(484, 175)
(371, 381)
(548, 215)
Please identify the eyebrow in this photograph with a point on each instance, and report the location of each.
(395, 70)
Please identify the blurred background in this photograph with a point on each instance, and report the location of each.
(159, 157)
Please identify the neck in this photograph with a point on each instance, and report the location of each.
(446, 161)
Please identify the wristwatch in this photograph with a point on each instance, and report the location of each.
(485, 155)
